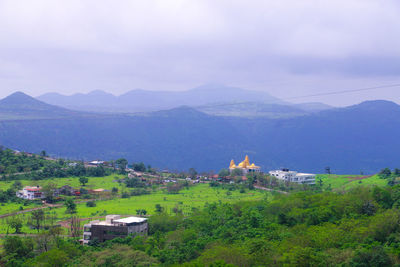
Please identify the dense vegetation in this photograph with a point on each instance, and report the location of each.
(360, 227)
(19, 166)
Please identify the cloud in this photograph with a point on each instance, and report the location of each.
(75, 45)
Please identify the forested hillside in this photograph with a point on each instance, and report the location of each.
(361, 138)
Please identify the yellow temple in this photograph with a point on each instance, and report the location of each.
(245, 166)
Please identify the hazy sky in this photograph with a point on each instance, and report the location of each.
(287, 48)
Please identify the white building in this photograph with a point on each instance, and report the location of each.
(30, 192)
(293, 176)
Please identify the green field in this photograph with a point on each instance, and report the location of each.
(194, 197)
(345, 182)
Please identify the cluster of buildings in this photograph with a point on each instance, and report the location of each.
(282, 174)
(114, 227)
(35, 192)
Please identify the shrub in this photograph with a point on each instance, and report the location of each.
(125, 195)
(91, 204)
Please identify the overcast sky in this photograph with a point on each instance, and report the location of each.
(287, 48)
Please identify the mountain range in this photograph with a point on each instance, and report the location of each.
(359, 138)
(143, 101)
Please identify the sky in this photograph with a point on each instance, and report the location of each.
(289, 48)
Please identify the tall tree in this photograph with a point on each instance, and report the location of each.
(70, 205)
(121, 164)
(37, 217)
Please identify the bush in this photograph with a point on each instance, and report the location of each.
(125, 195)
(139, 192)
(91, 204)
(134, 182)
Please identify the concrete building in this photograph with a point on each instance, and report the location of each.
(244, 166)
(114, 227)
(30, 192)
(293, 176)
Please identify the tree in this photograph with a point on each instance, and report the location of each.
(139, 167)
(192, 173)
(83, 180)
(328, 170)
(54, 257)
(223, 173)
(141, 212)
(48, 191)
(91, 204)
(375, 256)
(396, 172)
(70, 205)
(159, 209)
(121, 164)
(17, 185)
(114, 191)
(43, 153)
(75, 226)
(16, 223)
(237, 172)
(20, 247)
(134, 182)
(385, 173)
(37, 217)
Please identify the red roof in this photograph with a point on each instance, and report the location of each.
(33, 189)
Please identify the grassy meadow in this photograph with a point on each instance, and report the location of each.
(195, 196)
(345, 182)
(106, 182)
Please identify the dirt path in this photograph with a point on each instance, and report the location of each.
(269, 189)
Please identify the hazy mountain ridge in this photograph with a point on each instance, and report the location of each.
(358, 138)
(253, 109)
(141, 100)
(22, 106)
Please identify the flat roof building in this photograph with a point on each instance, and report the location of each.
(114, 227)
(293, 176)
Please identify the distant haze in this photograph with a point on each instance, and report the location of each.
(285, 48)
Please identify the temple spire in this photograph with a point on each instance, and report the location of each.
(232, 165)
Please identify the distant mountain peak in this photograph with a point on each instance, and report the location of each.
(99, 93)
(19, 98)
(22, 106)
(376, 105)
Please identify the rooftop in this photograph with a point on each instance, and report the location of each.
(131, 220)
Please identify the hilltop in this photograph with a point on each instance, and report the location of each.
(23, 106)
